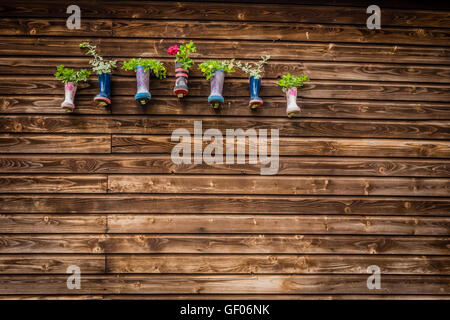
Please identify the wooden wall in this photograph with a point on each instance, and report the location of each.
(364, 172)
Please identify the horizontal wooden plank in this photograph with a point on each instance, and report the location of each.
(329, 70)
(53, 27)
(52, 243)
(123, 163)
(52, 183)
(275, 264)
(267, 244)
(309, 185)
(52, 223)
(115, 203)
(41, 143)
(302, 146)
(48, 46)
(166, 125)
(41, 85)
(225, 284)
(315, 108)
(276, 224)
(229, 12)
(50, 264)
(235, 30)
(271, 31)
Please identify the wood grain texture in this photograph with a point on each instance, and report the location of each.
(52, 223)
(53, 184)
(229, 244)
(225, 284)
(222, 49)
(276, 224)
(287, 127)
(50, 263)
(41, 85)
(329, 70)
(116, 203)
(363, 170)
(303, 146)
(123, 163)
(275, 264)
(230, 12)
(41, 143)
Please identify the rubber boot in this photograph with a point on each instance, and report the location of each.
(104, 83)
(69, 95)
(291, 98)
(216, 98)
(255, 86)
(181, 89)
(142, 96)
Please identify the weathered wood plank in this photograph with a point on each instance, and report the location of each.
(299, 127)
(52, 223)
(225, 284)
(299, 185)
(53, 27)
(315, 70)
(303, 146)
(52, 243)
(276, 224)
(41, 85)
(123, 163)
(115, 203)
(41, 143)
(316, 108)
(48, 46)
(267, 244)
(236, 30)
(275, 264)
(229, 12)
(53, 184)
(50, 264)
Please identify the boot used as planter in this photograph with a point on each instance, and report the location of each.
(215, 72)
(181, 80)
(182, 65)
(255, 71)
(255, 86)
(289, 85)
(69, 96)
(291, 98)
(216, 98)
(103, 69)
(70, 78)
(143, 68)
(104, 96)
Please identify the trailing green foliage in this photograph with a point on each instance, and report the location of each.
(99, 65)
(255, 70)
(288, 81)
(208, 67)
(69, 75)
(156, 67)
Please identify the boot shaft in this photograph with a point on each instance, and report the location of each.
(217, 82)
(104, 83)
(69, 91)
(142, 79)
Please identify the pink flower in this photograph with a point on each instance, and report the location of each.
(173, 50)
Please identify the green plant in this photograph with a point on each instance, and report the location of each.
(255, 70)
(182, 54)
(156, 67)
(288, 81)
(69, 75)
(208, 67)
(99, 65)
